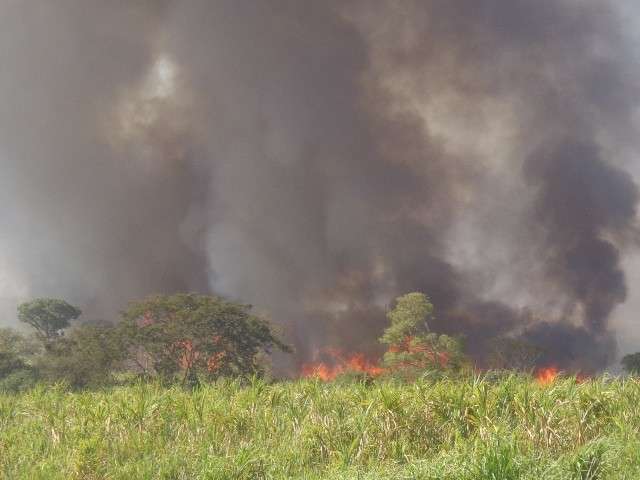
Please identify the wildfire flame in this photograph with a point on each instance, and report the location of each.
(340, 364)
(420, 356)
(547, 375)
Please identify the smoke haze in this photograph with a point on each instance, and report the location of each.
(316, 159)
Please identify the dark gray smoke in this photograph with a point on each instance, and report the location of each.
(319, 158)
(91, 212)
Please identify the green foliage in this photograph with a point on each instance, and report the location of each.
(462, 429)
(498, 462)
(9, 363)
(17, 344)
(87, 356)
(199, 335)
(19, 380)
(190, 335)
(424, 352)
(14, 351)
(16, 355)
(48, 316)
(409, 318)
(631, 363)
(591, 462)
(412, 348)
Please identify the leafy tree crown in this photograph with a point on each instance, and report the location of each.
(48, 316)
(201, 334)
(409, 318)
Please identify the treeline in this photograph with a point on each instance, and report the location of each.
(190, 338)
(184, 338)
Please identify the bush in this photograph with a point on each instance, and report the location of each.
(86, 357)
(19, 380)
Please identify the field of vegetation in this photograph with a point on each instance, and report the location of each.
(180, 389)
(487, 427)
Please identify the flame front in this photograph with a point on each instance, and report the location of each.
(420, 356)
(341, 364)
(547, 375)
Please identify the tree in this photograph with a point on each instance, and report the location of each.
(16, 356)
(410, 317)
(48, 316)
(87, 356)
(411, 345)
(17, 344)
(81, 356)
(631, 363)
(197, 335)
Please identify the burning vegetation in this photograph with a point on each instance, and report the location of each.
(547, 375)
(478, 151)
(341, 363)
(411, 348)
(410, 355)
(191, 338)
(320, 159)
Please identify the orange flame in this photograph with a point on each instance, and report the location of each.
(359, 363)
(341, 364)
(547, 375)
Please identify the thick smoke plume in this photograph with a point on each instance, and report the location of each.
(319, 158)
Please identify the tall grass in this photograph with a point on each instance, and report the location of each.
(441, 429)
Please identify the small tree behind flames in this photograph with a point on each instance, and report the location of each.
(412, 347)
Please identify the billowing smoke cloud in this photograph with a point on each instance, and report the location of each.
(319, 158)
(94, 205)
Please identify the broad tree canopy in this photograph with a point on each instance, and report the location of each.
(48, 316)
(201, 334)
